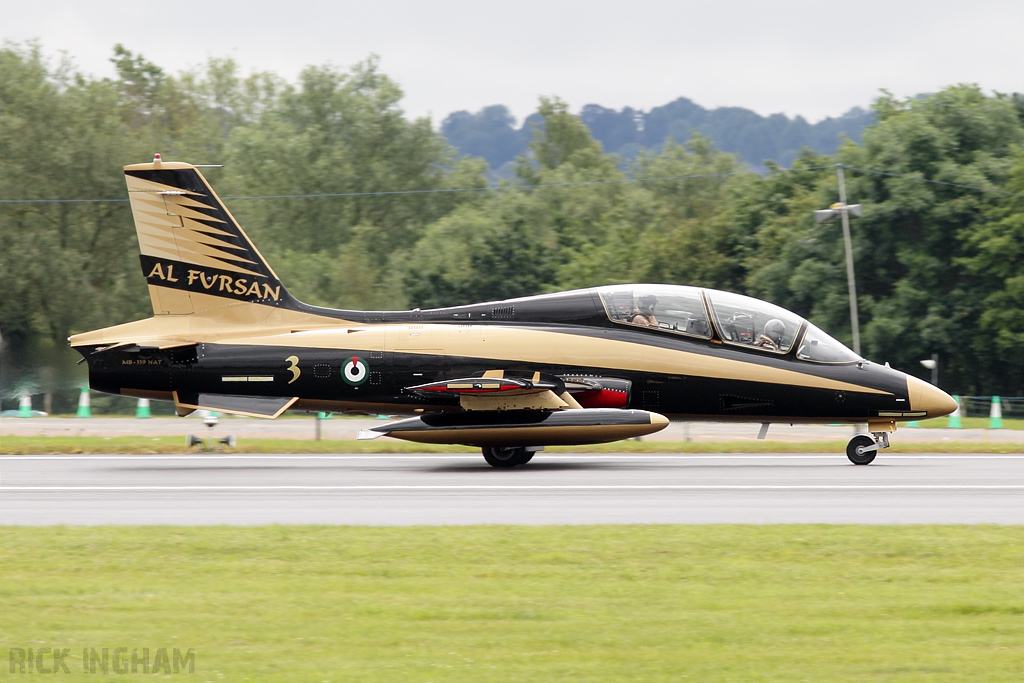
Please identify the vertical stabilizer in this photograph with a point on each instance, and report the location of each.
(195, 256)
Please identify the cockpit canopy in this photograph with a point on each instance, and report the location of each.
(739, 320)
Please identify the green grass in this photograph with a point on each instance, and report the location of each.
(622, 603)
(972, 423)
(41, 445)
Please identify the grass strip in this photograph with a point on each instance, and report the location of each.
(972, 423)
(140, 445)
(498, 603)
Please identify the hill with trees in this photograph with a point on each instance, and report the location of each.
(492, 134)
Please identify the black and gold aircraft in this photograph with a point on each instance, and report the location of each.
(578, 367)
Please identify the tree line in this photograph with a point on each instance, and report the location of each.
(940, 263)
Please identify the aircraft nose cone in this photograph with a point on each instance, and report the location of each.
(929, 398)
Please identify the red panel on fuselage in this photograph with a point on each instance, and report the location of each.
(602, 398)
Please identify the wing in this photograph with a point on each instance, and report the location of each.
(499, 390)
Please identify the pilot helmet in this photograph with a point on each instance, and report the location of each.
(646, 303)
(775, 330)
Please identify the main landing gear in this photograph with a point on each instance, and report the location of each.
(507, 456)
(862, 448)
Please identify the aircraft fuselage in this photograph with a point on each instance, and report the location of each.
(679, 377)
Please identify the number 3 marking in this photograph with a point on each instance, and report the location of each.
(293, 366)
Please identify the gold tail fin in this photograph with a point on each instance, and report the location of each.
(194, 253)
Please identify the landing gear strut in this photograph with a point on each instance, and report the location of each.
(862, 448)
(502, 456)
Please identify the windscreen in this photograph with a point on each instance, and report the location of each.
(821, 348)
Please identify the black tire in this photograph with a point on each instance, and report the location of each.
(506, 456)
(860, 441)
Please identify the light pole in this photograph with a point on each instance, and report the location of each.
(933, 365)
(844, 210)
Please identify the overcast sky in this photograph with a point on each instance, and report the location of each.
(812, 58)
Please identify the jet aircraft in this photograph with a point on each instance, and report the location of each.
(511, 377)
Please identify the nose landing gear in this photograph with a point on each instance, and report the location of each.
(862, 448)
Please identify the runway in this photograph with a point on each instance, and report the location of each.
(553, 489)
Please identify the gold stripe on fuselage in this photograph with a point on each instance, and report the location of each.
(531, 346)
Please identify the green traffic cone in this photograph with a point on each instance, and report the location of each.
(84, 407)
(913, 423)
(142, 409)
(25, 406)
(954, 418)
(995, 415)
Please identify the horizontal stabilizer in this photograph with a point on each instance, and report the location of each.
(523, 427)
(252, 406)
(141, 345)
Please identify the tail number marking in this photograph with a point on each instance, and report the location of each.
(293, 367)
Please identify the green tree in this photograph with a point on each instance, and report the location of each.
(61, 138)
(64, 265)
(562, 138)
(517, 240)
(995, 258)
(344, 133)
(915, 296)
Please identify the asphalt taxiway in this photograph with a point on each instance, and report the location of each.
(204, 489)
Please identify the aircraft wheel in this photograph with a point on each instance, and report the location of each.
(501, 456)
(860, 441)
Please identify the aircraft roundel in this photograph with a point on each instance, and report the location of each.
(355, 371)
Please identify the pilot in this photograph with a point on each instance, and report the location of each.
(643, 314)
(771, 337)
